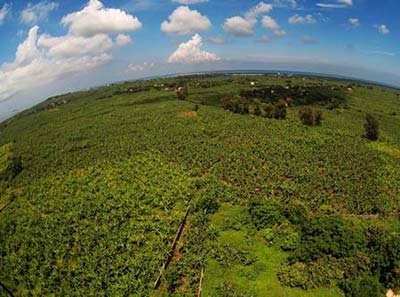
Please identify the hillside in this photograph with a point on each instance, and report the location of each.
(95, 184)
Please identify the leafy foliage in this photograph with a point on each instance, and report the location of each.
(371, 127)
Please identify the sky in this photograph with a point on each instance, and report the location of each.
(52, 47)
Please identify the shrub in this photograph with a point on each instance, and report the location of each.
(306, 115)
(296, 212)
(280, 110)
(257, 110)
(371, 127)
(172, 279)
(318, 116)
(207, 204)
(269, 110)
(243, 106)
(310, 116)
(324, 236)
(264, 213)
(362, 286)
(310, 275)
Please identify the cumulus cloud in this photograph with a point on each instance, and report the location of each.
(34, 66)
(123, 39)
(96, 19)
(192, 52)
(298, 19)
(383, 29)
(243, 26)
(258, 10)
(354, 22)
(269, 23)
(185, 21)
(70, 45)
(188, 2)
(239, 26)
(4, 12)
(41, 58)
(33, 14)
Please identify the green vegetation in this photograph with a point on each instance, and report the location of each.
(371, 127)
(310, 116)
(95, 184)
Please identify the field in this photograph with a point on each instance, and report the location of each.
(95, 184)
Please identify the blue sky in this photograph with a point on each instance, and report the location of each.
(50, 47)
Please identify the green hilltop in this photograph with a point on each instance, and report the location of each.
(271, 181)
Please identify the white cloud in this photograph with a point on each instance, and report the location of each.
(192, 52)
(354, 22)
(34, 66)
(123, 39)
(258, 10)
(70, 46)
(4, 12)
(382, 53)
(188, 2)
(280, 33)
(243, 26)
(33, 14)
(96, 19)
(139, 68)
(42, 59)
(239, 26)
(284, 3)
(338, 4)
(383, 29)
(298, 19)
(185, 21)
(269, 23)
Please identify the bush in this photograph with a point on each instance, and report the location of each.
(324, 236)
(280, 110)
(269, 110)
(310, 116)
(207, 204)
(257, 111)
(310, 275)
(264, 213)
(296, 212)
(362, 286)
(243, 106)
(306, 115)
(371, 127)
(318, 116)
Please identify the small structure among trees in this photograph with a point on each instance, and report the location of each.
(182, 92)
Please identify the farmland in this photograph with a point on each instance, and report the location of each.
(94, 186)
